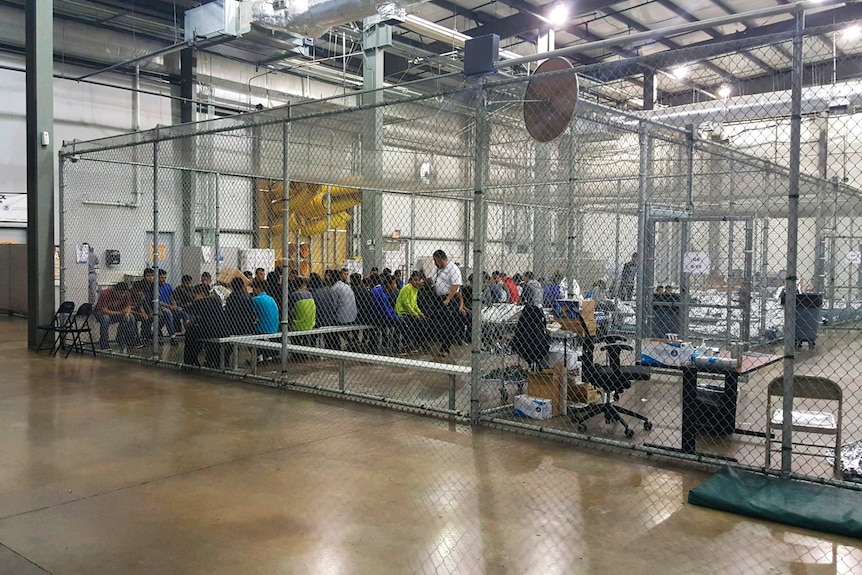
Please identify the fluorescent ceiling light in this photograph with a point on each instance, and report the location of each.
(559, 14)
(680, 72)
(851, 33)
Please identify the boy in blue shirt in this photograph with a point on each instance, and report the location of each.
(266, 308)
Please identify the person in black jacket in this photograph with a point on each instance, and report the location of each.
(239, 309)
(273, 286)
(364, 312)
(364, 306)
(323, 300)
(531, 340)
(207, 321)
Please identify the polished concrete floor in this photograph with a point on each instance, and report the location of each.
(111, 467)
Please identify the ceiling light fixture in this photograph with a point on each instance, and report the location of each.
(559, 14)
(680, 72)
(724, 92)
(851, 33)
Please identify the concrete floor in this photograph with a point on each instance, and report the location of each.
(111, 467)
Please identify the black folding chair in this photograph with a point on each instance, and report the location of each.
(79, 326)
(63, 318)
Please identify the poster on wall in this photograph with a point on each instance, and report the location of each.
(163, 252)
(82, 253)
(13, 208)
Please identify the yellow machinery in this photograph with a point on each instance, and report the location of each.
(318, 218)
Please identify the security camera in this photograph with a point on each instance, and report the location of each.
(74, 158)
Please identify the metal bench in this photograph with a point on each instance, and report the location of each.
(236, 341)
(342, 357)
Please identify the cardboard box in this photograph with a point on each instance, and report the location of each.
(662, 352)
(566, 313)
(549, 384)
(575, 325)
(534, 407)
(582, 393)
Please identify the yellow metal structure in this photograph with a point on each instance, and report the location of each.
(319, 214)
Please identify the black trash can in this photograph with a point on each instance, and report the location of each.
(808, 317)
(667, 316)
(714, 410)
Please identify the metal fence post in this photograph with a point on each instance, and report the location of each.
(156, 306)
(285, 239)
(480, 169)
(645, 144)
(792, 245)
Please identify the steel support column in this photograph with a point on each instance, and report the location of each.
(39, 24)
(188, 148)
(371, 232)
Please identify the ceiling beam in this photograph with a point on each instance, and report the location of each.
(632, 23)
(750, 24)
(833, 19)
(530, 17)
(688, 16)
(848, 69)
(829, 45)
(746, 39)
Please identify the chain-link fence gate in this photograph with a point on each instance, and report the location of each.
(625, 283)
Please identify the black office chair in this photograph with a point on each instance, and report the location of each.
(612, 379)
(531, 340)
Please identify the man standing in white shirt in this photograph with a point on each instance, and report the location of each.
(447, 285)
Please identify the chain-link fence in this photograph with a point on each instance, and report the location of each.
(623, 281)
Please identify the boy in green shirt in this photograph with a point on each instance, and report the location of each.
(408, 310)
(302, 309)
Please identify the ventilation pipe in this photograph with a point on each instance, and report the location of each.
(313, 18)
(845, 97)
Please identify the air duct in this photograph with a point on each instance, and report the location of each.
(312, 18)
(837, 98)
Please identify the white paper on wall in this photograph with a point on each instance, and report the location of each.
(696, 263)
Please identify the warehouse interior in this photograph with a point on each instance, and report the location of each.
(712, 147)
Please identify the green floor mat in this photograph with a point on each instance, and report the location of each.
(820, 507)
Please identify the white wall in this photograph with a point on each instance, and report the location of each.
(81, 111)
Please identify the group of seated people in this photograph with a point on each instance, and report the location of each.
(412, 313)
(252, 305)
(523, 289)
(132, 308)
